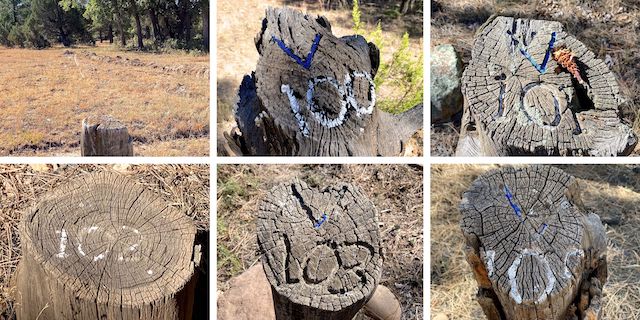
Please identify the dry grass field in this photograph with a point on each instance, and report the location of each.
(239, 21)
(611, 191)
(607, 27)
(44, 95)
(396, 190)
(186, 187)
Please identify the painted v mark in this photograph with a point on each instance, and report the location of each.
(542, 68)
(306, 62)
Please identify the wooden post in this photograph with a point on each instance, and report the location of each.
(535, 251)
(313, 94)
(320, 250)
(518, 100)
(103, 247)
(107, 137)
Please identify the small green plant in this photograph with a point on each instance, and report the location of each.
(403, 76)
(355, 15)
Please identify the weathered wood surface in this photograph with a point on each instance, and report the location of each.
(105, 136)
(321, 250)
(535, 251)
(312, 94)
(520, 101)
(103, 247)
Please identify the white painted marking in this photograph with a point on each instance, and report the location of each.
(63, 243)
(99, 257)
(80, 250)
(347, 101)
(489, 258)
(512, 273)
(92, 229)
(150, 272)
(575, 252)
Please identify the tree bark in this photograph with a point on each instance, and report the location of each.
(312, 94)
(105, 137)
(103, 247)
(535, 251)
(110, 34)
(320, 250)
(136, 14)
(157, 33)
(119, 23)
(205, 24)
(516, 104)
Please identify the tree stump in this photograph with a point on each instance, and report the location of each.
(107, 137)
(535, 252)
(103, 247)
(313, 94)
(321, 250)
(520, 101)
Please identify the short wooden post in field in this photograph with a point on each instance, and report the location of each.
(321, 250)
(535, 251)
(313, 94)
(103, 247)
(106, 137)
(532, 89)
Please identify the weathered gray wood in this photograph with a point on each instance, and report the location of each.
(105, 136)
(517, 109)
(534, 249)
(320, 250)
(103, 247)
(324, 108)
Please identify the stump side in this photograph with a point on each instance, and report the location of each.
(526, 103)
(108, 246)
(105, 136)
(530, 243)
(321, 250)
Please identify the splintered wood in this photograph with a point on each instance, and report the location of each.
(103, 247)
(321, 250)
(313, 94)
(520, 101)
(535, 252)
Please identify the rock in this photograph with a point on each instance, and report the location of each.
(441, 316)
(446, 72)
(248, 297)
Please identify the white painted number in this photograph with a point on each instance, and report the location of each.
(347, 100)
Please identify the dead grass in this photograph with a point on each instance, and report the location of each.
(46, 94)
(186, 187)
(239, 21)
(608, 27)
(611, 191)
(396, 190)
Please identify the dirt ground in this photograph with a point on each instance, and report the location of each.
(396, 190)
(45, 94)
(608, 27)
(186, 187)
(611, 191)
(239, 21)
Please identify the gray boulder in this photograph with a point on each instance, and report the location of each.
(446, 72)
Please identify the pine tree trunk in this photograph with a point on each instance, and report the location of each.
(103, 247)
(157, 33)
(520, 101)
(136, 13)
(313, 94)
(205, 24)
(535, 251)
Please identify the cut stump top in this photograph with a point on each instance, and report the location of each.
(526, 104)
(111, 240)
(313, 84)
(321, 249)
(529, 229)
